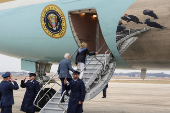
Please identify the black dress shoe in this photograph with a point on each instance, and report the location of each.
(103, 97)
(62, 101)
(67, 94)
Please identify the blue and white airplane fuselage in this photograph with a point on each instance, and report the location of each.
(22, 35)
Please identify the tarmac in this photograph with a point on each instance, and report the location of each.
(122, 98)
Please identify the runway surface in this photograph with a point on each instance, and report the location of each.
(123, 98)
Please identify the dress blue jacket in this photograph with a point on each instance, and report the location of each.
(64, 67)
(32, 89)
(77, 94)
(6, 90)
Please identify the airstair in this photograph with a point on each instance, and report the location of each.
(97, 73)
(126, 38)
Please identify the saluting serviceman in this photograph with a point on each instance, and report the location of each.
(32, 88)
(77, 93)
(6, 90)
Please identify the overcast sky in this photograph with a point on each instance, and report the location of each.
(14, 64)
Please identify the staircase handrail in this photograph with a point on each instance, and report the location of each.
(46, 92)
(80, 72)
(60, 102)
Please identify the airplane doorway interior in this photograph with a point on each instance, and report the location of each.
(86, 28)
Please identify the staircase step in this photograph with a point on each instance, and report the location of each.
(100, 58)
(90, 70)
(94, 88)
(53, 110)
(57, 99)
(86, 80)
(95, 62)
(88, 75)
(55, 105)
(93, 66)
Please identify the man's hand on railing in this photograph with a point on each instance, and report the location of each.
(96, 52)
(65, 81)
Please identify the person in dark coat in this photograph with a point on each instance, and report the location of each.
(81, 57)
(153, 24)
(129, 18)
(6, 90)
(104, 91)
(63, 71)
(150, 13)
(32, 88)
(120, 27)
(77, 95)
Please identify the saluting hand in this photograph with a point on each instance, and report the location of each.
(12, 80)
(25, 78)
(65, 81)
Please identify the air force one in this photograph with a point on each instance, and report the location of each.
(40, 32)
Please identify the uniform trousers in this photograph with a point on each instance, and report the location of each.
(6, 109)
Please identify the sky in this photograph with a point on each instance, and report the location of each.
(14, 64)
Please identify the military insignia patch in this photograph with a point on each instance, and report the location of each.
(53, 21)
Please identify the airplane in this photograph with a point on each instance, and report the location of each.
(40, 32)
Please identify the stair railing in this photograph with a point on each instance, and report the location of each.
(37, 105)
(104, 65)
(62, 107)
(80, 72)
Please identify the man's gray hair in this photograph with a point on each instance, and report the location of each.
(66, 55)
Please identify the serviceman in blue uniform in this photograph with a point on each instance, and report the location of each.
(77, 93)
(104, 91)
(6, 90)
(32, 88)
(150, 13)
(153, 24)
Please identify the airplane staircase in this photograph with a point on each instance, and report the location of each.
(126, 38)
(97, 73)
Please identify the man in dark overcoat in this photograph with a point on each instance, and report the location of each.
(150, 13)
(6, 90)
(153, 24)
(32, 88)
(77, 93)
(104, 91)
(133, 18)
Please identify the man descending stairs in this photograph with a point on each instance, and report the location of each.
(97, 73)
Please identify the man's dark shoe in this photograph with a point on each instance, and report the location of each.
(62, 101)
(103, 97)
(67, 94)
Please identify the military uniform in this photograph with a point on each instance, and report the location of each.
(6, 90)
(77, 94)
(32, 89)
(104, 91)
(150, 13)
(153, 24)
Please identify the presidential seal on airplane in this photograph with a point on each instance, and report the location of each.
(53, 21)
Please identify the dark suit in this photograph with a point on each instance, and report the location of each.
(120, 28)
(132, 18)
(32, 89)
(150, 13)
(154, 24)
(63, 71)
(104, 90)
(77, 94)
(7, 99)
